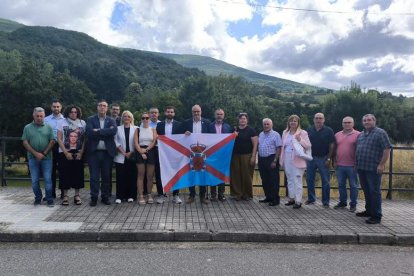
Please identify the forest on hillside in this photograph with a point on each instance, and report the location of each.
(38, 64)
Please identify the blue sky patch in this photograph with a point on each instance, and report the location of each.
(118, 18)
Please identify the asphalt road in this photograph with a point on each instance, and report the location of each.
(203, 259)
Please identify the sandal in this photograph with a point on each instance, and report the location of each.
(65, 201)
(77, 200)
(141, 200)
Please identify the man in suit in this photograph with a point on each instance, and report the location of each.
(100, 132)
(219, 127)
(196, 124)
(170, 126)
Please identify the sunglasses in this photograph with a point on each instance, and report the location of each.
(145, 118)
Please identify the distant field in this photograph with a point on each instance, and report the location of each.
(409, 101)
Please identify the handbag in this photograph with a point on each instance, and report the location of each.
(300, 151)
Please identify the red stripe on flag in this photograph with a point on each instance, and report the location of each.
(175, 145)
(218, 174)
(220, 144)
(177, 176)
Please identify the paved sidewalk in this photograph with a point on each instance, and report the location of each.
(237, 221)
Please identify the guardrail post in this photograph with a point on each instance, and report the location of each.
(389, 193)
(3, 160)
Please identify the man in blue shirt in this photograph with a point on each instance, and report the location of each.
(372, 152)
(322, 139)
(269, 151)
(54, 120)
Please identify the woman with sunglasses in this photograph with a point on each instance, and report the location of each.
(144, 140)
(71, 140)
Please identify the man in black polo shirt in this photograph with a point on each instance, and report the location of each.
(322, 139)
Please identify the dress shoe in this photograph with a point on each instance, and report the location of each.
(308, 202)
(297, 206)
(274, 203)
(352, 209)
(362, 214)
(203, 200)
(340, 205)
(190, 200)
(106, 201)
(290, 202)
(326, 206)
(373, 221)
(93, 203)
(265, 200)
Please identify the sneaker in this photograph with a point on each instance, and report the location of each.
(190, 200)
(160, 199)
(50, 204)
(340, 205)
(130, 200)
(213, 199)
(352, 209)
(221, 198)
(92, 203)
(326, 206)
(37, 202)
(177, 199)
(117, 201)
(308, 202)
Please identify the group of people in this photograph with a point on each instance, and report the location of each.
(61, 142)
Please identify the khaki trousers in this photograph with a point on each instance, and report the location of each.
(241, 182)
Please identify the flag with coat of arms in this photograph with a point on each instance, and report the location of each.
(198, 159)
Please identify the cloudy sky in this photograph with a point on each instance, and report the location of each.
(321, 42)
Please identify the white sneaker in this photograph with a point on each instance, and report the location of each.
(118, 201)
(160, 199)
(177, 199)
(130, 200)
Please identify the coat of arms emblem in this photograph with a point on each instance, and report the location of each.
(197, 157)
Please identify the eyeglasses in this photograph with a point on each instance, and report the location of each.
(145, 118)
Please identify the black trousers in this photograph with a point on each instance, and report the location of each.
(220, 187)
(270, 178)
(126, 180)
(202, 191)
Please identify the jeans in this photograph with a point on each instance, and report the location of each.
(294, 178)
(46, 166)
(312, 166)
(202, 191)
(100, 166)
(371, 185)
(343, 173)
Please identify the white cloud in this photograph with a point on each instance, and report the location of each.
(367, 43)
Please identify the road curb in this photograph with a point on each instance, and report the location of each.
(208, 236)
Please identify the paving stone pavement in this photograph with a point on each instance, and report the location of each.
(237, 221)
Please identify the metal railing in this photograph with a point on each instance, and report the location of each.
(390, 189)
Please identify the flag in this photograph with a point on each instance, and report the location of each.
(198, 159)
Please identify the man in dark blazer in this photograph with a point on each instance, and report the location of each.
(100, 132)
(170, 126)
(219, 127)
(197, 124)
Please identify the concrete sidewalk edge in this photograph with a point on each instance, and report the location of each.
(208, 236)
